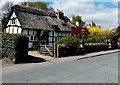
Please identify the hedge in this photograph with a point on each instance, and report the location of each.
(15, 46)
(94, 48)
(68, 41)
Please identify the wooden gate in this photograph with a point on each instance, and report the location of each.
(49, 50)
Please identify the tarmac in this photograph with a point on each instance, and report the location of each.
(50, 61)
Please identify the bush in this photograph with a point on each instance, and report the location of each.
(15, 46)
(94, 40)
(68, 45)
(68, 41)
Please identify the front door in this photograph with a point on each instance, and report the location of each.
(44, 38)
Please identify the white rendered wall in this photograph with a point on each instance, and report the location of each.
(16, 20)
(19, 30)
(31, 33)
(13, 27)
(7, 30)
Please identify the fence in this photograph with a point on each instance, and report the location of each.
(57, 51)
(50, 50)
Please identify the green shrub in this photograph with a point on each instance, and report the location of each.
(23, 34)
(14, 45)
(68, 41)
(94, 40)
(88, 40)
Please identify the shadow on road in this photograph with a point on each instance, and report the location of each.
(29, 59)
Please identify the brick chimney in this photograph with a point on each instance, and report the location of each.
(60, 14)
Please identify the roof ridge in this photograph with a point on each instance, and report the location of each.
(33, 10)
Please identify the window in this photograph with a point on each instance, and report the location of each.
(35, 38)
(31, 38)
(13, 21)
(31, 32)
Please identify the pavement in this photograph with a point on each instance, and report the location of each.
(51, 61)
(38, 55)
(89, 55)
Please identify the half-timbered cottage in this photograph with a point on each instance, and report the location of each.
(38, 24)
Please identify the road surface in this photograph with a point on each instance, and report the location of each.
(100, 69)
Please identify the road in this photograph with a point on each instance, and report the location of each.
(100, 69)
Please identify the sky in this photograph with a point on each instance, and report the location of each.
(102, 12)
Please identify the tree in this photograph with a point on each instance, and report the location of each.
(38, 4)
(93, 24)
(99, 35)
(68, 41)
(80, 32)
(4, 17)
(77, 19)
(6, 8)
(118, 30)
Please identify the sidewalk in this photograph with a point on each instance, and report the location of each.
(89, 55)
(35, 54)
(20, 67)
(55, 60)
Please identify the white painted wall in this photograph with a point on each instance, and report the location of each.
(13, 29)
(7, 30)
(19, 30)
(13, 15)
(32, 33)
(16, 21)
(9, 22)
